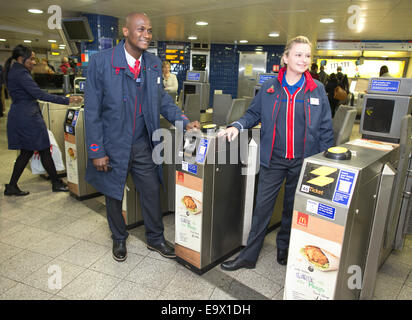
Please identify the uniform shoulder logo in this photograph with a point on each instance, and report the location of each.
(94, 147)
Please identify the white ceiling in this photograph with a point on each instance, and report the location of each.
(229, 20)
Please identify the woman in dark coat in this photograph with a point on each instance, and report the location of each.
(26, 130)
(330, 90)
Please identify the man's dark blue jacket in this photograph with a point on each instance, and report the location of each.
(110, 112)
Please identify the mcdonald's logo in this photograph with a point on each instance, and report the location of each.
(303, 219)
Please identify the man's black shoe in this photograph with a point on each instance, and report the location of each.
(59, 186)
(233, 265)
(119, 251)
(11, 190)
(165, 249)
(282, 257)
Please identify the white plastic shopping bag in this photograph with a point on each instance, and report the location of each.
(35, 162)
(56, 153)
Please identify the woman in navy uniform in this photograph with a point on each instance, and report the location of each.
(124, 98)
(26, 130)
(295, 123)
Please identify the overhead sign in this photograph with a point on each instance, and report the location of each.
(364, 45)
(175, 54)
(338, 45)
(387, 46)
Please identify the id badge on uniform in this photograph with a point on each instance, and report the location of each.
(314, 101)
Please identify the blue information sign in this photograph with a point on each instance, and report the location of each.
(264, 77)
(76, 115)
(326, 211)
(193, 76)
(201, 152)
(81, 85)
(344, 187)
(192, 168)
(385, 85)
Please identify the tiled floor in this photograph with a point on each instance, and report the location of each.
(47, 234)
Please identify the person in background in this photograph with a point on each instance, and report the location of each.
(314, 71)
(65, 66)
(26, 130)
(73, 66)
(169, 79)
(124, 98)
(330, 90)
(384, 72)
(288, 135)
(1, 91)
(323, 76)
(343, 81)
(49, 65)
(42, 67)
(72, 63)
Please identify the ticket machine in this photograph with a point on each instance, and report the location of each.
(76, 154)
(261, 78)
(348, 206)
(196, 83)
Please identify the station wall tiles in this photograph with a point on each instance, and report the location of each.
(103, 27)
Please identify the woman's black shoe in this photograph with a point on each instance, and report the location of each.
(282, 257)
(11, 190)
(59, 186)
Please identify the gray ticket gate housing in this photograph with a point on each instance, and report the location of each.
(196, 83)
(349, 214)
(76, 155)
(208, 215)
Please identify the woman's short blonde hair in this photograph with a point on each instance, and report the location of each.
(291, 43)
(165, 63)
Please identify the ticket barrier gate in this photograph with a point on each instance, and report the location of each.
(349, 213)
(345, 214)
(333, 221)
(54, 116)
(250, 177)
(208, 215)
(131, 207)
(261, 78)
(76, 155)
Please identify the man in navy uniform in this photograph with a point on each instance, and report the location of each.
(124, 98)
